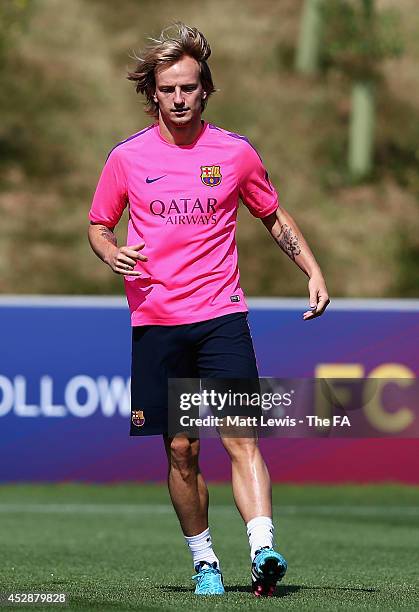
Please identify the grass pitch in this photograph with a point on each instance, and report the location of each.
(120, 548)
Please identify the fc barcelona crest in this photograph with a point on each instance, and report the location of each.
(211, 175)
(137, 418)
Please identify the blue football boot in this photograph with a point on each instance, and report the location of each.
(268, 568)
(209, 579)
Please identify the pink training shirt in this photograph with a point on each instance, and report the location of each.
(183, 204)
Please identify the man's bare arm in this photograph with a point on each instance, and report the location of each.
(289, 238)
(121, 260)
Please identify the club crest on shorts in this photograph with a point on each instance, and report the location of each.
(137, 418)
(211, 175)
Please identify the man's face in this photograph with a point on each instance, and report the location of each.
(179, 91)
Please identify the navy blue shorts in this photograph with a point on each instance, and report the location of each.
(218, 348)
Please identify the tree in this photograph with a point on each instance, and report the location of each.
(308, 50)
(352, 37)
(356, 41)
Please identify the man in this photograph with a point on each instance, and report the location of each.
(182, 178)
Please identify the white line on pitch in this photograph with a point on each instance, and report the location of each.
(167, 509)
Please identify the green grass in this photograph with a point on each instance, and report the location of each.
(120, 548)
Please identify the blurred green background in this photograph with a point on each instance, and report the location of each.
(65, 102)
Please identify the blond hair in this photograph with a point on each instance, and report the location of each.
(174, 42)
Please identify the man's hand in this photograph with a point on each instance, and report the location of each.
(123, 260)
(319, 298)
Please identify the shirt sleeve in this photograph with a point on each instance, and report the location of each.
(255, 189)
(111, 194)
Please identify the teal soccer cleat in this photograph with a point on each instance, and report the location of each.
(209, 580)
(268, 568)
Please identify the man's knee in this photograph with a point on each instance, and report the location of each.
(183, 455)
(239, 448)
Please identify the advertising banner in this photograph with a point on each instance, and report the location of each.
(65, 392)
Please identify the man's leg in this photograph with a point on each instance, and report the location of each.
(187, 488)
(253, 496)
(189, 495)
(225, 355)
(250, 477)
(160, 353)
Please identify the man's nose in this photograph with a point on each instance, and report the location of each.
(178, 99)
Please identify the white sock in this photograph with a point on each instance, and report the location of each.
(201, 548)
(260, 531)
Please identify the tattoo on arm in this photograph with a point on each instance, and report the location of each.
(108, 234)
(288, 242)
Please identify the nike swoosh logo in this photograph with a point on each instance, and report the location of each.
(151, 180)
